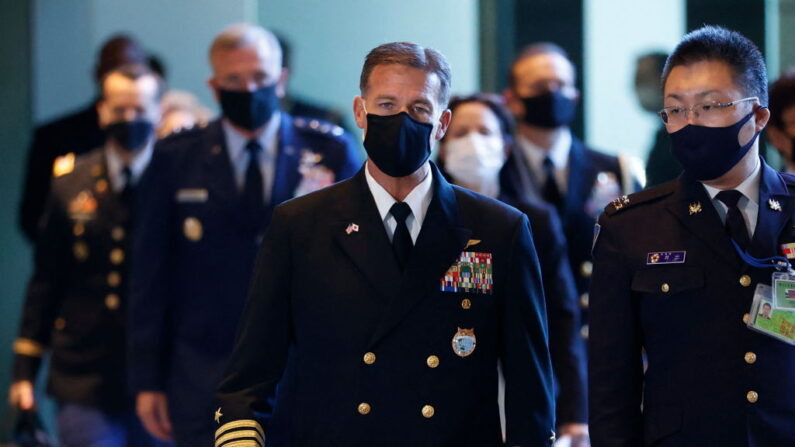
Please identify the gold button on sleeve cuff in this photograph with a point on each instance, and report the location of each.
(28, 347)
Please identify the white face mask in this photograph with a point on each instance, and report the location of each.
(475, 160)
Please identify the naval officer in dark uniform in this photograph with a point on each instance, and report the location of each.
(551, 164)
(205, 205)
(77, 299)
(381, 307)
(669, 279)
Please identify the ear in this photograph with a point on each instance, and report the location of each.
(103, 113)
(513, 102)
(213, 84)
(281, 83)
(444, 123)
(360, 113)
(762, 116)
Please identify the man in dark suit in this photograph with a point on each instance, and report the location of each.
(677, 266)
(205, 206)
(382, 306)
(550, 164)
(75, 133)
(77, 299)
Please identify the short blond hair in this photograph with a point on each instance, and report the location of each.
(246, 35)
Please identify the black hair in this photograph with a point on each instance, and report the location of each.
(715, 43)
(782, 97)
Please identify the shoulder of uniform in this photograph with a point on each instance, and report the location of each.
(183, 134)
(317, 127)
(789, 179)
(624, 203)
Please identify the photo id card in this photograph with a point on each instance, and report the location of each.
(766, 319)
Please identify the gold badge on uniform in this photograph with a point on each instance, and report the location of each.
(83, 207)
(464, 342)
(694, 208)
(192, 227)
(63, 165)
(101, 186)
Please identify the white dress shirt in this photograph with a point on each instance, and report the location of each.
(137, 167)
(748, 203)
(418, 200)
(558, 153)
(238, 155)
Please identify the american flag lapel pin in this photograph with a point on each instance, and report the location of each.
(352, 228)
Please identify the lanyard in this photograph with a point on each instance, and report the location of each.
(773, 262)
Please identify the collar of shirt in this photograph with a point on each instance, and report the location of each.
(558, 153)
(116, 165)
(236, 147)
(418, 200)
(748, 204)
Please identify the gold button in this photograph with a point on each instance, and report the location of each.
(586, 269)
(101, 186)
(114, 279)
(96, 170)
(665, 287)
(466, 303)
(369, 358)
(746, 317)
(117, 234)
(745, 280)
(60, 324)
(750, 358)
(752, 396)
(79, 229)
(428, 411)
(112, 301)
(80, 251)
(432, 361)
(584, 298)
(364, 408)
(116, 256)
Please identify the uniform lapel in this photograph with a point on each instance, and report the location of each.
(441, 240)
(220, 176)
(770, 221)
(285, 173)
(702, 220)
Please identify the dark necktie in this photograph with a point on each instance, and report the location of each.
(253, 188)
(401, 240)
(735, 224)
(551, 193)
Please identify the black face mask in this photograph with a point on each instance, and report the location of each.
(397, 144)
(549, 110)
(249, 110)
(131, 135)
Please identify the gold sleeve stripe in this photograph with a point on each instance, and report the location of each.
(239, 434)
(243, 423)
(245, 443)
(26, 346)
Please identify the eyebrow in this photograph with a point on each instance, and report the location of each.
(701, 94)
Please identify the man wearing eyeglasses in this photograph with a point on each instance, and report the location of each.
(673, 275)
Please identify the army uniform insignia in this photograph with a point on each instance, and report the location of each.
(788, 250)
(464, 342)
(314, 176)
(472, 243)
(192, 195)
(352, 228)
(83, 207)
(63, 165)
(694, 208)
(666, 257)
(192, 227)
(620, 202)
(774, 204)
(218, 415)
(472, 273)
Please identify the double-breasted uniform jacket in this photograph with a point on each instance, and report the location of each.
(710, 379)
(194, 254)
(77, 298)
(364, 354)
(580, 209)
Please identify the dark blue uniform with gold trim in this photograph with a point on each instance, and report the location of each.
(194, 254)
(710, 379)
(364, 354)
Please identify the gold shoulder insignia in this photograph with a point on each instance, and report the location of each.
(28, 347)
(63, 165)
(620, 202)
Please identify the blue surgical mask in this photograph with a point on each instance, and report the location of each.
(707, 153)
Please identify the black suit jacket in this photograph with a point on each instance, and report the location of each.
(76, 300)
(703, 362)
(78, 133)
(365, 350)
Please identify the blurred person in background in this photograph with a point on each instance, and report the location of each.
(781, 130)
(181, 110)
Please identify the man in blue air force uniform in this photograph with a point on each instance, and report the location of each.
(205, 205)
(381, 306)
(669, 280)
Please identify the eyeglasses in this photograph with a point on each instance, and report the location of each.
(709, 113)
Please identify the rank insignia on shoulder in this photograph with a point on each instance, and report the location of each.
(788, 250)
(666, 257)
(464, 342)
(774, 204)
(472, 273)
(694, 208)
(620, 202)
(63, 165)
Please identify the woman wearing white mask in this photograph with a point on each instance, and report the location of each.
(471, 155)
